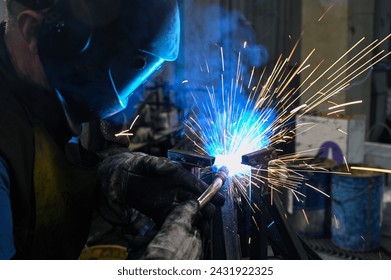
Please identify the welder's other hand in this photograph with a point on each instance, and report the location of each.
(150, 184)
(177, 239)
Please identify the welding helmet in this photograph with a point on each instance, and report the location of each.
(95, 53)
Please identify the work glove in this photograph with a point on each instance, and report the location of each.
(177, 239)
(152, 185)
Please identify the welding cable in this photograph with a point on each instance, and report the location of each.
(219, 180)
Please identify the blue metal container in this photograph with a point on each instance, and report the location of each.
(311, 215)
(356, 210)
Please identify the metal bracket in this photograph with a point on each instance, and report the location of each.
(192, 162)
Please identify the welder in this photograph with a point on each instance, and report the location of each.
(64, 63)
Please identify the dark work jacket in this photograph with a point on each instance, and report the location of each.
(51, 198)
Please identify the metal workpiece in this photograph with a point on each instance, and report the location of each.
(190, 159)
(192, 162)
(255, 234)
(219, 180)
(260, 157)
(229, 220)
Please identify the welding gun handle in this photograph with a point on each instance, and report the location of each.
(220, 178)
(210, 192)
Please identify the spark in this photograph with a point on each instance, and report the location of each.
(207, 65)
(336, 221)
(322, 192)
(124, 133)
(336, 112)
(327, 10)
(127, 132)
(298, 108)
(298, 73)
(332, 102)
(255, 222)
(345, 104)
(305, 216)
(378, 170)
(251, 78)
(340, 130)
(222, 59)
(346, 164)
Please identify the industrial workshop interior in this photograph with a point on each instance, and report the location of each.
(282, 108)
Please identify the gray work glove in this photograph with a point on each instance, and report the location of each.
(151, 185)
(177, 238)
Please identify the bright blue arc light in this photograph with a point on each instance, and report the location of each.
(230, 126)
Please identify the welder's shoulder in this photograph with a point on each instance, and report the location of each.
(16, 132)
(12, 113)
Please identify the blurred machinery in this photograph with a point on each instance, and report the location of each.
(159, 121)
(151, 123)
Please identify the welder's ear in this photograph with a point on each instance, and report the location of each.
(29, 23)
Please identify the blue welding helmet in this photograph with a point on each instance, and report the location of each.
(96, 53)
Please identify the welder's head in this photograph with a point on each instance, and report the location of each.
(95, 53)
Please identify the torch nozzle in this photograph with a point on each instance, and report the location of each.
(219, 180)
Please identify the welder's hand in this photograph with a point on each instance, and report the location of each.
(177, 239)
(150, 184)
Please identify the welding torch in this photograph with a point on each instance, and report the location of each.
(194, 163)
(219, 180)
